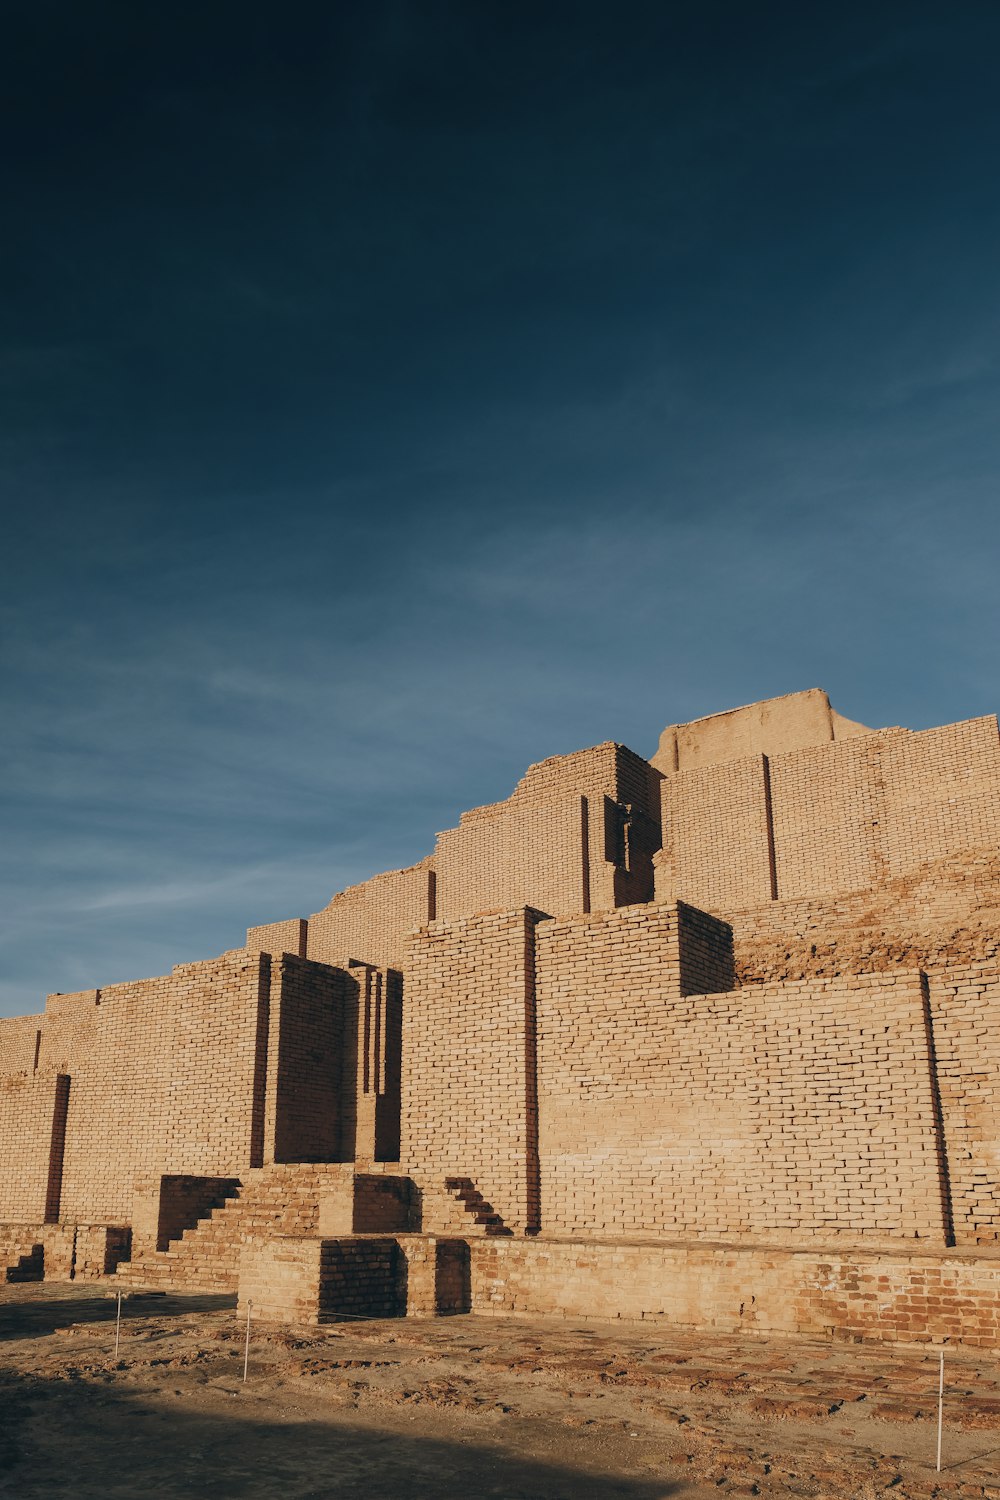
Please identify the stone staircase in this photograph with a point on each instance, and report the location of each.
(458, 1207)
(284, 1200)
(275, 1200)
(22, 1256)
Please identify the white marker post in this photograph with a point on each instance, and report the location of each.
(118, 1325)
(246, 1352)
(940, 1409)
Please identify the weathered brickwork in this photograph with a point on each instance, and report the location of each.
(171, 1082)
(770, 1111)
(577, 834)
(716, 836)
(468, 1066)
(371, 922)
(964, 1008)
(28, 1108)
(20, 1040)
(829, 818)
(712, 1038)
(279, 937)
(947, 912)
(895, 1296)
(311, 1030)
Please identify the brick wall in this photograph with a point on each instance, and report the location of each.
(829, 818)
(795, 1110)
(530, 854)
(27, 1114)
(965, 1010)
(311, 1049)
(19, 1041)
(170, 1084)
(371, 1087)
(58, 1041)
(322, 1281)
(715, 834)
(468, 1064)
(892, 1296)
(942, 792)
(944, 913)
(561, 843)
(370, 922)
(279, 937)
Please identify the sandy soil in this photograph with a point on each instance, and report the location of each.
(459, 1407)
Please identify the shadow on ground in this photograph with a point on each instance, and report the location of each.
(89, 1439)
(35, 1319)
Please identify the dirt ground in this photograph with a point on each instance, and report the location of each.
(445, 1408)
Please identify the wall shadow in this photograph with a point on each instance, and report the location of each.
(92, 1438)
(36, 1319)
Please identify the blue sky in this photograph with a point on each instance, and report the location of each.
(392, 396)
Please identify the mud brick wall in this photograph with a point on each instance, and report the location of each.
(169, 1086)
(942, 792)
(556, 843)
(892, 1296)
(279, 937)
(789, 1111)
(468, 1059)
(20, 1038)
(69, 1030)
(311, 1048)
(943, 914)
(715, 835)
(322, 1281)
(27, 1114)
(375, 1088)
(526, 855)
(830, 818)
(371, 922)
(965, 1010)
(57, 1041)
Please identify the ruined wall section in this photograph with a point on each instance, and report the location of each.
(942, 792)
(69, 1030)
(716, 836)
(468, 1067)
(19, 1043)
(827, 819)
(790, 1111)
(946, 913)
(57, 1041)
(371, 922)
(577, 834)
(169, 1086)
(279, 937)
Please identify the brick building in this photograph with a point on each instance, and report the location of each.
(711, 1038)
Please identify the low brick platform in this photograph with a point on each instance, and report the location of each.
(312, 1280)
(893, 1296)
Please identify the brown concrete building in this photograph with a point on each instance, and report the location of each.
(711, 1038)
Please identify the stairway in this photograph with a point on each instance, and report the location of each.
(22, 1262)
(275, 1200)
(458, 1207)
